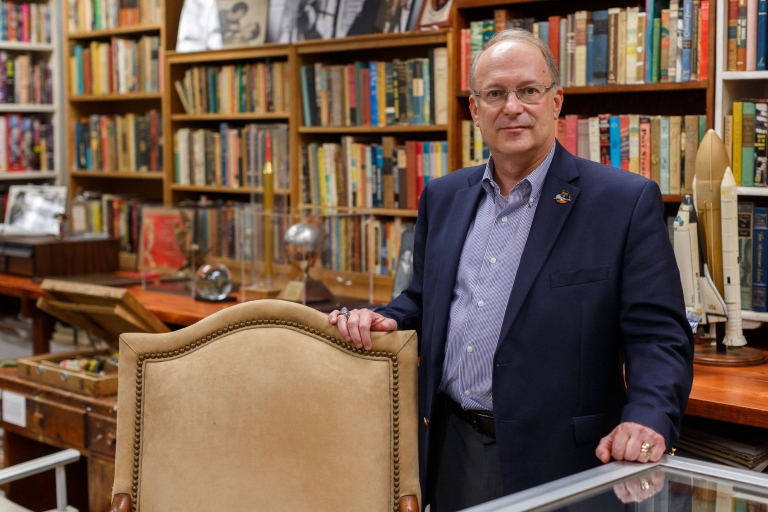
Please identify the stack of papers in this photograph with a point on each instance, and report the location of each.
(734, 445)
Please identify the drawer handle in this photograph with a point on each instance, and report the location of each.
(110, 438)
(38, 419)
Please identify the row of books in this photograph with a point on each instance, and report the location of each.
(118, 215)
(26, 144)
(661, 148)
(119, 143)
(361, 174)
(118, 67)
(745, 132)
(24, 81)
(377, 93)
(613, 46)
(27, 23)
(230, 156)
(363, 244)
(753, 256)
(87, 15)
(747, 43)
(257, 87)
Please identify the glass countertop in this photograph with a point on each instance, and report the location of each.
(674, 484)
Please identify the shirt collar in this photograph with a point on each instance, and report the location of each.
(535, 178)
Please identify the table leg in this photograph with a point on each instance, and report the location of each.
(42, 326)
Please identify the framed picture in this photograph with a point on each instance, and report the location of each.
(435, 13)
(393, 15)
(165, 236)
(35, 208)
(300, 20)
(242, 22)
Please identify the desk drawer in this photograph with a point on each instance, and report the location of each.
(102, 432)
(55, 421)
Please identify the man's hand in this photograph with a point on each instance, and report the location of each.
(625, 443)
(357, 329)
(640, 488)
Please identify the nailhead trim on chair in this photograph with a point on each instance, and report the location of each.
(336, 341)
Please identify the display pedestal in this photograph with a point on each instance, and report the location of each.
(713, 355)
(306, 292)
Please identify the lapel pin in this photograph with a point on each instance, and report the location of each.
(563, 197)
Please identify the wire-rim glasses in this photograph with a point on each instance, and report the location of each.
(528, 94)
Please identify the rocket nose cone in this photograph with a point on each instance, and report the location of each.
(712, 157)
(728, 179)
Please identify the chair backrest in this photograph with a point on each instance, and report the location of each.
(263, 406)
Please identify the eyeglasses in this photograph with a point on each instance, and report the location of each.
(526, 94)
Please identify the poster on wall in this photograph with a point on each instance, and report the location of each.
(242, 22)
(300, 20)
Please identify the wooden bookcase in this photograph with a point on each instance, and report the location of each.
(53, 112)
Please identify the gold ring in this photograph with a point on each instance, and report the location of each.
(645, 484)
(646, 449)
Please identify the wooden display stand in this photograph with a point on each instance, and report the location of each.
(101, 311)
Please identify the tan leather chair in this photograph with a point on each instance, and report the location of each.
(263, 406)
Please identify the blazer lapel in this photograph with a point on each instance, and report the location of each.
(460, 216)
(547, 223)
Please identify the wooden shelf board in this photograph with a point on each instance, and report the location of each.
(389, 212)
(130, 96)
(225, 190)
(156, 175)
(752, 191)
(471, 4)
(27, 108)
(27, 175)
(616, 88)
(239, 53)
(373, 41)
(269, 116)
(345, 130)
(754, 316)
(127, 30)
(745, 75)
(672, 198)
(27, 47)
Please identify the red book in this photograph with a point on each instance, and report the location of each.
(624, 134)
(464, 45)
(554, 38)
(419, 170)
(572, 134)
(352, 85)
(24, 23)
(87, 71)
(645, 147)
(410, 150)
(704, 39)
(365, 97)
(605, 138)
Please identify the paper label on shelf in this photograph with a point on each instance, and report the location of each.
(14, 409)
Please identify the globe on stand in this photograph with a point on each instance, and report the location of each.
(303, 243)
(213, 282)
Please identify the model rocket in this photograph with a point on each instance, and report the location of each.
(703, 303)
(734, 337)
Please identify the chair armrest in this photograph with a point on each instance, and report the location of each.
(409, 504)
(36, 466)
(121, 503)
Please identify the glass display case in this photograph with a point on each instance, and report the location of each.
(674, 484)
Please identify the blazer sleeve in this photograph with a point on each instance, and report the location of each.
(407, 308)
(657, 339)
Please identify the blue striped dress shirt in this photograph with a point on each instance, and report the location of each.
(487, 269)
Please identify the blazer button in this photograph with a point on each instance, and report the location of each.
(426, 422)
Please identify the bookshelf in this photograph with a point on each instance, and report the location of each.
(40, 45)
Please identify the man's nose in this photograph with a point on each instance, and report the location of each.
(513, 103)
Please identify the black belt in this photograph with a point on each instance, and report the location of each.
(482, 421)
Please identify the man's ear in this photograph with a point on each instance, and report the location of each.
(473, 108)
(558, 101)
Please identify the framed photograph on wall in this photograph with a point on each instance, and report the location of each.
(435, 13)
(242, 22)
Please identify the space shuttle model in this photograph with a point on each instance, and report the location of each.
(707, 252)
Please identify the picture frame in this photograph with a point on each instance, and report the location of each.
(242, 22)
(435, 13)
(36, 208)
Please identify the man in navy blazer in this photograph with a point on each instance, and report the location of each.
(594, 300)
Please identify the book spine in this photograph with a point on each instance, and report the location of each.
(615, 137)
(600, 48)
(745, 227)
(760, 260)
(687, 42)
(748, 145)
(664, 155)
(762, 34)
(738, 125)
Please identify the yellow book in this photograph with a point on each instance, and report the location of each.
(728, 137)
(95, 74)
(738, 109)
(438, 159)
(322, 185)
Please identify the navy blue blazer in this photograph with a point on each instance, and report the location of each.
(597, 286)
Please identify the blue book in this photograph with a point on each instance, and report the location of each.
(223, 135)
(417, 92)
(614, 128)
(599, 51)
(590, 46)
(687, 35)
(760, 260)
(80, 71)
(544, 31)
(379, 201)
(427, 96)
(373, 68)
(762, 33)
(664, 154)
(305, 96)
(427, 154)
